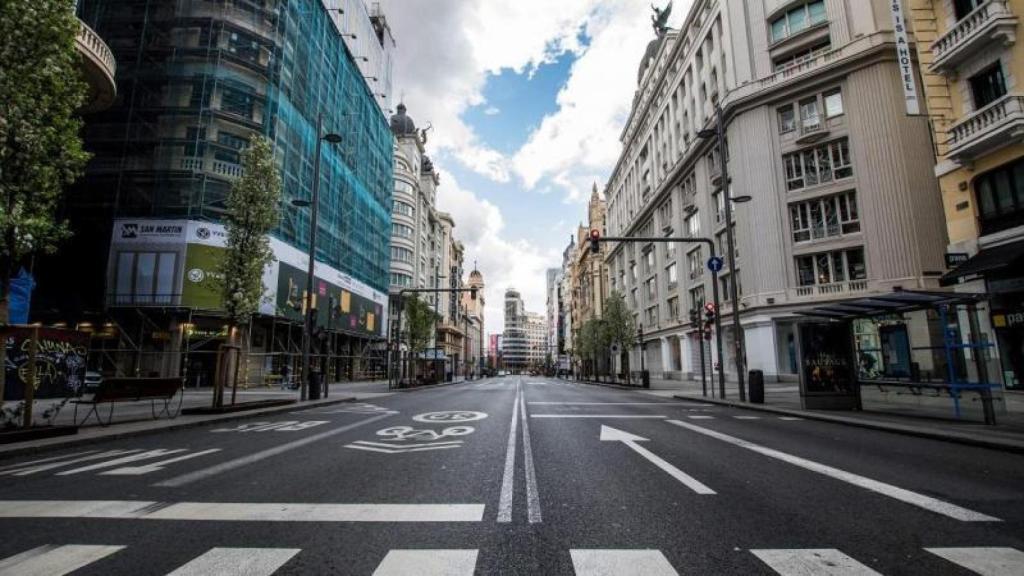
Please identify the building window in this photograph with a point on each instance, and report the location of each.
(665, 215)
(403, 209)
(672, 274)
(244, 46)
(964, 7)
(719, 199)
(827, 217)
(723, 244)
(673, 308)
(833, 104)
(725, 281)
(400, 254)
(810, 119)
(651, 316)
(1001, 198)
(831, 267)
(652, 289)
(695, 263)
(405, 187)
(237, 102)
(196, 146)
(632, 271)
(649, 260)
(632, 299)
(787, 119)
(798, 19)
(401, 230)
(697, 298)
(145, 277)
(818, 165)
(693, 225)
(988, 86)
(402, 280)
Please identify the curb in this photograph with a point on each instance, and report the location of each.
(71, 441)
(953, 437)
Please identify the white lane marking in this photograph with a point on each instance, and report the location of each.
(261, 455)
(747, 417)
(428, 563)
(125, 460)
(53, 465)
(699, 417)
(616, 416)
(895, 492)
(155, 466)
(824, 562)
(985, 561)
(237, 562)
(621, 563)
(790, 418)
(393, 445)
(241, 512)
(508, 477)
(401, 449)
(50, 459)
(54, 560)
(532, 495)
(609, 434)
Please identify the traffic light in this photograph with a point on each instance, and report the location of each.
(595, 241)
(710, 311)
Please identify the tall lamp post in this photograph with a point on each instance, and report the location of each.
(314, 205)
(719, 133)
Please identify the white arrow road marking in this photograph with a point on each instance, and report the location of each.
(237, 562)
(901, 494)
(395, 449)
(125, 460)
(609, 434)
(155, 466)
(984, 561)
(54, 560)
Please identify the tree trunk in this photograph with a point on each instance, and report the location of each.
(240, 357)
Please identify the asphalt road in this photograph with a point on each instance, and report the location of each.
(598, 482)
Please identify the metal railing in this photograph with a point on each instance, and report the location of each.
(966, 29)
(984, 122)
(92, 43)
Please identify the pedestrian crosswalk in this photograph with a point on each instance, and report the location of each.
(54, 560)
(131, 462)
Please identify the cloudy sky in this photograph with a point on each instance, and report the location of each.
(527, 99)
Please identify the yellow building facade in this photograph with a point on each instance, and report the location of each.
(972, 67)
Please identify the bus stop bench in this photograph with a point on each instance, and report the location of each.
(117, 390)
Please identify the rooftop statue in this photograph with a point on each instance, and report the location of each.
(660, 19)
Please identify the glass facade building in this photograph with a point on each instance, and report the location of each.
(199, 77)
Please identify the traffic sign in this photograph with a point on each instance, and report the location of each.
(715, 264)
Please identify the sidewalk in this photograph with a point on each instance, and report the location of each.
(926, 416)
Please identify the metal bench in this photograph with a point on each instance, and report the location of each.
(117, 390)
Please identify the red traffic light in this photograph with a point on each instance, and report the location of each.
(595, 234)
(595, 241)
(710, 307)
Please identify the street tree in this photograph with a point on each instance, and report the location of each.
(253, 210)
(40, 148)
(420, 319)
(619, 327)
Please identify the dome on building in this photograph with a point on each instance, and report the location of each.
(476, 278)
(402, 124)
(649, 54)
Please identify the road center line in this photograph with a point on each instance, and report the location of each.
(508, 477)
(261, 455)
(901, 494)
(532, 496)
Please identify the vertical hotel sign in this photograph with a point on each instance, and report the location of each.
(904, 58)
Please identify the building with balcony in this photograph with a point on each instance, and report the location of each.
(98, 68)
(196, 79)
(972, 64)
(844, 197)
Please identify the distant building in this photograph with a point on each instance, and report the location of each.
(476, 352)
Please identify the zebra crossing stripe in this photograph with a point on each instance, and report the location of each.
(984, 561)
(32, 468)
(428, 563)
(54, 560)
(621, 563)
(813, 562)
(237, 562)
(125, 460)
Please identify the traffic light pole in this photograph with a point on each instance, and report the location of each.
(596, 239)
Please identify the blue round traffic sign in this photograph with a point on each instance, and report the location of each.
(716, 264)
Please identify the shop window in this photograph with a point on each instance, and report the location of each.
(145, 277)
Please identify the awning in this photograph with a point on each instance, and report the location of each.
(988, 261)
(894, 303)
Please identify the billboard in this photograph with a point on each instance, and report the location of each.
(354, 306)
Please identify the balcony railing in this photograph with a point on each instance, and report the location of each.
(995, 125)
(991, 22)
(832, 289)
(99, 66)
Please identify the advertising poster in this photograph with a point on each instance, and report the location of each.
(827, 371)
(60, 362)
(337, 308)
(201, 288)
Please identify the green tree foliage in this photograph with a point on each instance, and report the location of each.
(253, 211)
(619, 326)
(40, 149)
(419, 324)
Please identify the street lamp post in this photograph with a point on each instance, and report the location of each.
(640, 337)
(719, 134)
(314, 206)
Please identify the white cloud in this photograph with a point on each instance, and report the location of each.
(492, 111)
(504, 263)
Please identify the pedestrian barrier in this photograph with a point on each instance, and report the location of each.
(115, 390)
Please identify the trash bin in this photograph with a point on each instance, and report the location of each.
(645, 377)
(314, 385)
(756, 388)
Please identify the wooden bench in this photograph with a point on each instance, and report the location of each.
(116, 390)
